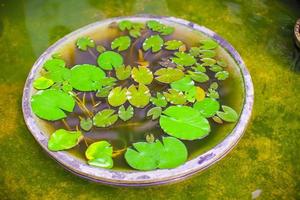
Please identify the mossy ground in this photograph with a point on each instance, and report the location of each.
(267, 158)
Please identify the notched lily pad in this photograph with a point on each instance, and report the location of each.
(173, 44)
(117, 96)
(183, 59)
(138, 96)
(208, 44)
(175, 97)
(84, 42)
(142, 75)
(168, 75)
(86, 124)
(154, 42)
(228, 114)
(154, 112)
(208, 107)
(123, 72)
(121, 43)
(105, 118)
(159, 100)
(42, 83)
(62, 139)
(109, 60)
(126, 114)
(99, 154)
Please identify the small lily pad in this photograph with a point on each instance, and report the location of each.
(184, 84)
(117, 96)
(99, 154)
(84, 42)
(175, 97)
(168, 75)
(62, 139)
(216, 68)
(109, 60)
(126, 114)
(100, 48)
(138, 96)
(121, 43)
(135, 33)
(86, 124)
(56, 70)
(154, 42)
(125, 25)
(198, 76)
(154, 112)
(184, 59)
(222, 75)
(195, 51)
(105, 118)
(142, 75)
(228, 114)
(207, 53)
(42, 83)
(104, 91)
(208, 61)
(208, 44)
(123, 72)
(173, 44)
(159, 100)
(208, 107)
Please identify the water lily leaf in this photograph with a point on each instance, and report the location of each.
(217, 119)
(222, 63)
(100, 48)
(168, 75)
(84, 42)
(105, 118)
(123, 72)
(173, 44)
(159, 100)
(207, 53)
(54, 63)
(216, 68)
(194, 51)
(62, 139)
(173, 154)
(125, 25)
(117, 96)
(142, 75)
(200, 94)
(66, 87)
(138, 97)
(126, 114)
(108, 81)
(121, 43)
(50, 104)
(109, 60)
(175, 97)
(42, 83)
(154, 112)
(208, 44)
(208, 107)
(104, 91)
(183, 59)
(167, 30)
(198, 76)
(86, 77)
(134, 33)
(199, 68)
(212, 93)
(184, 84)
(154, 42)
(229, 115)
(222, 75)
(214, 86)
(56, 70)
(190, 95)
(184, 123)
(154, 25)
(208, 61)
(86, 124)
(99, 154)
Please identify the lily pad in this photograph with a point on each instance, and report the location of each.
(62, 139)
(99, 154)
(208, 61)
(121, 43)
(86, 77)
(168, 75)
(125, 25)
(117, 96)
(86, 124)
(142, 75)
(183, 59)
(173, 44)
(216, 68)
(42, 83)
(84, 42)
(207, 53)
(159, 100)
(154, 42)
(175, 97)
(50, 104)
(208, 107)
(126, 114)
(123, 72)
(198, 76)
(159, 27)
(56, 70)
(228, 114)
(208, 44)
(184, 84)
(184, 123)
(138, 96)
(104, 91)
(154, 112)
(105, 118)
(222, 75)
(195, 51)
(109, 60)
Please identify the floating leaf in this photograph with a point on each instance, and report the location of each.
(194, 51)
(84, 42)
(207, 53)
(154, 42)
(190, 95)
(50, 104)
(216, 68)
(86, 124)
(100, 48)
(208, 44)
(126, 114)
(168, 75)
(117, 96)
(199, 68)
(108, 81)
(229, 115)
(208, 107)
(212, 93)
(62, 139)
(184, 122)
(109, 60)
(167, 30)
(183, 59)
(123, 72)
(214, 86)
(217, 119)
(159, 100)
(155, 25)
(150, 138)
(222, 63)
(154, 112)
(175, 97)
(86, 77)
(66, 87)
(208, 61)
(104, 91)
(173, 44)
(200, 94)
(99, 154)
(138, 97)
(121, 43)
(56, 70)
(222, 75)
(184, 84)
(125, 24)
(42, 83)
(142, 75)
(198, 76)
(134, 33)
(105, 118)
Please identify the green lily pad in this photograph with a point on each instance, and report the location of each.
(99, 154)
(168, 75)
(84, 42)
(126, 114)
(167, 30)
(207, 53)
(173, 44)
(142, 75)
(104, 91)
(154, 112)
(123, 72)
(121, 43)
(159, 100)
(42, 83)
(86, 77)
(184, 84)
(108, 81)
(109, 60)
(50, 104)
(159, 27)
(183, 59)
(56, 70)
(199, 68)
(138, 96)
(208, 44)
(228, 114)
(62, 139)
(194, 51)
(135, 33)
(100, 48)
(117, 96)
(154, 42)
(222, 75)
(125, 25)
(208, 107)
(175, 97)
(198, 76)
(184, 123)
(86, 124)
(208, 61)
(105, 118)
(216, 68)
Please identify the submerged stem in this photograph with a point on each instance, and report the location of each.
(66, 124)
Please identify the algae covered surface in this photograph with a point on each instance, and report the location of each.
(265, 164)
